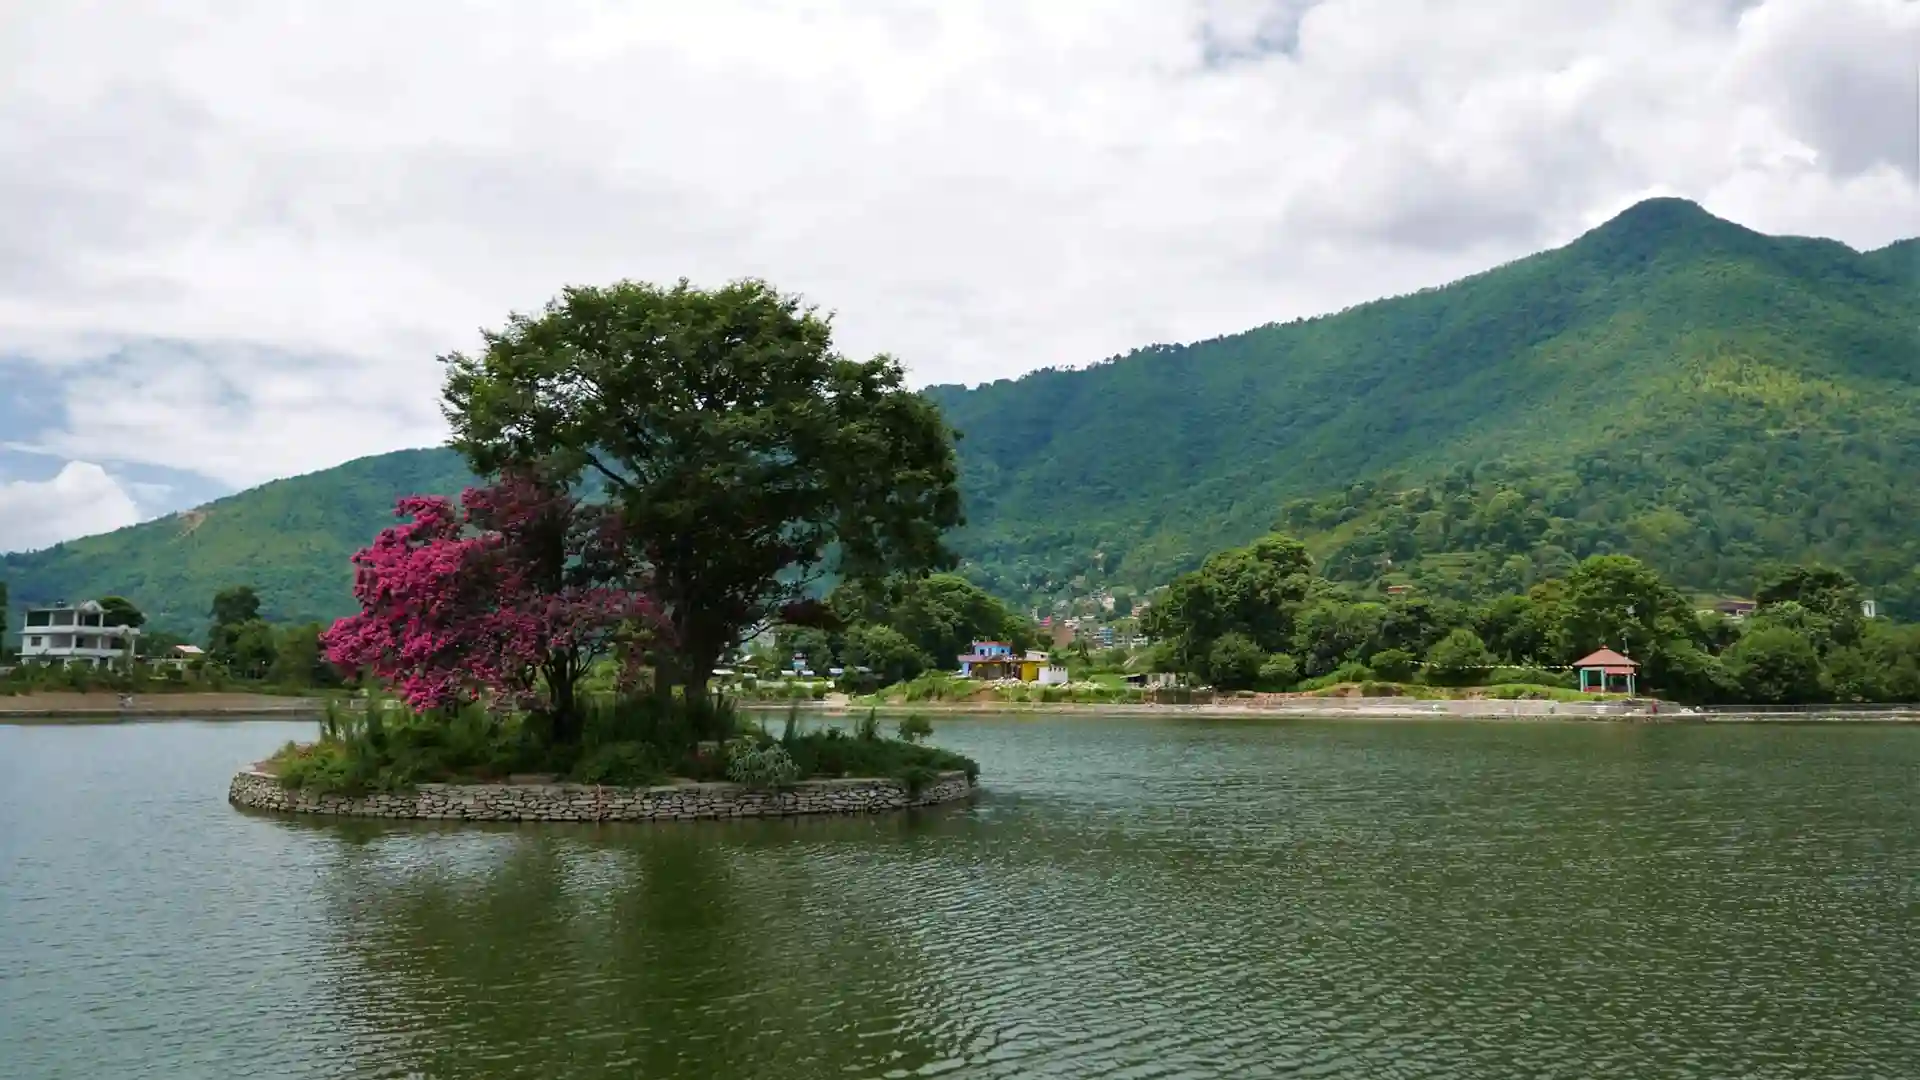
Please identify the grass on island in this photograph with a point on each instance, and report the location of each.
(384, 747)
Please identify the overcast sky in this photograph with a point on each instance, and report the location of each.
(233, 236)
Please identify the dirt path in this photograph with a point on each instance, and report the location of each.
(63, 705)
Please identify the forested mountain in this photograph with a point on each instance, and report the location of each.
(289, 539)
(1669, 385)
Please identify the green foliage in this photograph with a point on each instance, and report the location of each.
(1278, 672)
(290, 538)
(934, 686)
(1712, 401)
(120, 611)
(1821, 602)
(622, 764)
(298, 659)
(1670, 385)
(1775, 665)
(1622, 603)
(1459, 658)
(389, 749)
(1393, 665)
(746, 456)
(1351, 672)
(637, 741)
(234, 605)
(915, 728)
(902, 625)
(1331, 632)
(884, 651)
(768, 767)
(1234, 661)
(238, 638)
(1250, 593)
(831, 753)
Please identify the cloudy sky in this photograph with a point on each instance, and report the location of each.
(233, 236)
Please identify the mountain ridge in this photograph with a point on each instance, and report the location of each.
(1659, 367)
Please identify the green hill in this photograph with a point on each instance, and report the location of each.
(290, 539)
(1670, 384)
(1694, 392)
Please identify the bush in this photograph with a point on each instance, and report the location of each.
(624, 742)
(1394, 665)
(626, 764)
(1279, 672)
(831, 753)
(1234, 662)
(916, 778)
(1349, 672)
(764, 767)
(1459, 659)
(915, 728)
(1564, 680)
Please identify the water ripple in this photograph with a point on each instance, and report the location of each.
(1131, 898)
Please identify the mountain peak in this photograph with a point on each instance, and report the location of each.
(1662, 210)
(1657, 226)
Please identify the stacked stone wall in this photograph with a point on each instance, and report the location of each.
(259, 790)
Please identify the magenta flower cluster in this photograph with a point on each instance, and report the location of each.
(479, 602)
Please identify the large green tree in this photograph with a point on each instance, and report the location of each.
(1254, 592)
(236, 635)
(1832, 597)
(1330, 632)
(120, 611)
(747, 457)
(1622, 603)
(1775, 665)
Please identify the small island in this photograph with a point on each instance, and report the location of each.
(545, 647)
(848, 773)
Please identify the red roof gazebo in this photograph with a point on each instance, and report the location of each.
(1606, 672)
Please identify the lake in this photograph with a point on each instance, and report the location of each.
(1136, 897)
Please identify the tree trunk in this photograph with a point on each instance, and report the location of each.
(565, 707)
(699, 660)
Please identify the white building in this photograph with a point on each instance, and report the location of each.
(73, 634)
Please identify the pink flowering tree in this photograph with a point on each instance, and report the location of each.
(512, 597)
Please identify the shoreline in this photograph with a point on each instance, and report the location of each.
(1383, 709)
(73, 707)
(256, 789)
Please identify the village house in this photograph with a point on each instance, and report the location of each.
(74, 635)
(990, 660)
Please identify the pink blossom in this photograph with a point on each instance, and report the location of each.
(528, 581)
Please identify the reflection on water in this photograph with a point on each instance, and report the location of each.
(1130, 898)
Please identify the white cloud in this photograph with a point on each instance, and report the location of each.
(78, 501)
(317, 198)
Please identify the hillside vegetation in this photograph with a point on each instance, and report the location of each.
(290, 539)
(1670, 385)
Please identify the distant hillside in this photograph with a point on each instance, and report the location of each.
(1703, 395)
(290, 539)
(1671, 385)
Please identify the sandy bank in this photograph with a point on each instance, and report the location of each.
(106, 707)
(1390, 709)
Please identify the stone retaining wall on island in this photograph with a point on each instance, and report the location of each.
(260, 790)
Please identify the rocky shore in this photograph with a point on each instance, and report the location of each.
(260, 790)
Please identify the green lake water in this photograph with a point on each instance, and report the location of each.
(1128, 898)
